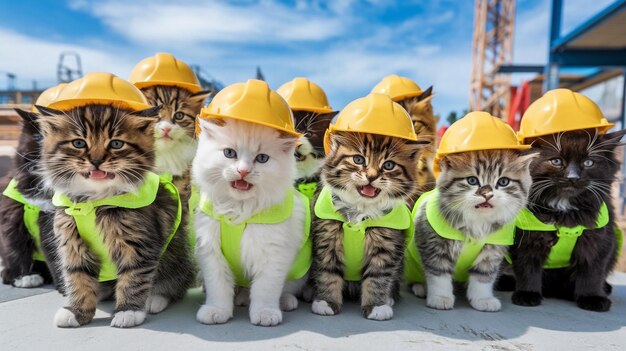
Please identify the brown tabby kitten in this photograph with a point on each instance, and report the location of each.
(95, 152)
(421, 110)
(356, 162)
(310, 154)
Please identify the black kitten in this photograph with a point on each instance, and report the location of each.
(572, 178)
(310, 154)
(17, 245)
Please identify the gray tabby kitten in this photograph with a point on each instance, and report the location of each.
(480, 192)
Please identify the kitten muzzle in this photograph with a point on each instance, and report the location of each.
(241, 185)
(485, 204)
(368, 190)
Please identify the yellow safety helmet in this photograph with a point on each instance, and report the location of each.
(254, 102)
(476, 131)
(164, 69)
(398, 88)
(48, 96)
(303, 95)
(561, 110)
(100, 88)
(373, 114)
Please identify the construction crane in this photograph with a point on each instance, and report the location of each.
(66, 71)
(492, 47)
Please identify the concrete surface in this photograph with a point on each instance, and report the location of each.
(26, 324)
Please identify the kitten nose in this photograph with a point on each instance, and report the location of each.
(243, 173)
(166, 130)
(572, 173)
(486, 192)
(96, 163)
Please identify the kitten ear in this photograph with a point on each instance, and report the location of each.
(207, 125)
(46, 111)
(525, 158)
(612, 140)
(152, 112)
(199, 97)
(426, 93)
(27, 116)
(289, 142)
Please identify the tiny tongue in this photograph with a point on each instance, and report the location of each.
(241, 184)
(96, 174)
(368, 190)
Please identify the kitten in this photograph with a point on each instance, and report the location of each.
(245, 169)
(310, 154)
(420, 109)
(573, 176)
(478, 193)
(17, 244)
(366, 178)
(93, 153)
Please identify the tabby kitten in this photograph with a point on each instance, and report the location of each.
(420, 109)
(310, 154)
(17, 245)
(573, 176)
(245, 169)
(368, 176)
(93, 153)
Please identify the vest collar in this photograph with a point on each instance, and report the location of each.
(12, 192)
(272, 215)
(527, 220)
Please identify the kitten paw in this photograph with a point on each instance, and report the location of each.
(28, 281)
(381, 313)
(440, 302)
(157, 303)
(419, 290)
(127, 319)
(213, 315)
(64, 318)
(594, 303)
(526, 298)
(288, 302)
(608, 288)
(266, 317)
(322, 308)
(307, 293)
(487, 304)
(243, 297)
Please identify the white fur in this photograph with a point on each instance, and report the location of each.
(64, 318)
(419, 290)
(127, 319)
(440, 293)
(321, 307)
(267, 250)
(381, 313)
(43, 204)
(28, 281)
(157, 303)
(309, 166)
(480, 295)
(173, 155)
(561, 204)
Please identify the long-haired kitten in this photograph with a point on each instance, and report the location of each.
(368, 177)
(573, 177)
(96, 152)
(244, 169)
(310, 153)
(478, 193)
(420, 109)
(24, 258)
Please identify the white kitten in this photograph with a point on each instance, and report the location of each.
(227, 170)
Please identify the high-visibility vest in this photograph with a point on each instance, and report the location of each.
(194, 200)
(414, 271)
(31, 217)
(308, 189)
(231, 234)
(84, 215)
(398, 218)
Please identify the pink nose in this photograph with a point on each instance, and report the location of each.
(166, 130)
(243, 173)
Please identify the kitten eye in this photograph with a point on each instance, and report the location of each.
(178, 116)
(262, 158)
(116, 144)
(79, 143)
(389, 165)
(504, 181)
(358, 159)
(588, 163)
(472, 181)
(556, 162)
(230, 153)
(37, 137)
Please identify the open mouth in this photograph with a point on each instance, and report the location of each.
(100, 175)
(484, 205)
(368, 190)
(241, 185)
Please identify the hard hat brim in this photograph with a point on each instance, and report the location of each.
(312, 109)
(250, 120)
(66, 105)
(440, 156)
(406, 96)
(604, 127)
(193, 88)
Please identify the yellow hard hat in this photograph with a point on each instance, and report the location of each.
(561, 110)
(100, 88)
(476, 131)
(303, 95)
(252, 101)
(373, 114)
(48, 96)
(398, 88)
(164, 69)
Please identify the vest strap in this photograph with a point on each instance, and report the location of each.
(30, 217)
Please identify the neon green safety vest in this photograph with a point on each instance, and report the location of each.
(231, 234)
(561, 252)
(354, 234)
(31, 217)
(84, 214)
(414, 271)
(308, 189)
(194, 200)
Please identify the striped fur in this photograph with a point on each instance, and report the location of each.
(384, 248)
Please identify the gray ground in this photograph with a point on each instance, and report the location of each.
(26, 324)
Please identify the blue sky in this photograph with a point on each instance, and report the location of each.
(346, 46)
